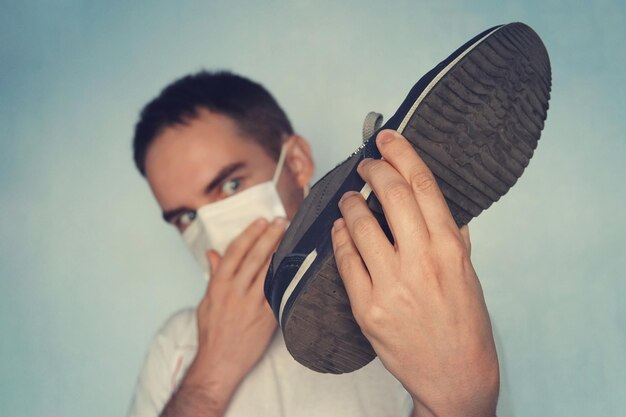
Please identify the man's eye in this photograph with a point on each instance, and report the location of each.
(230, 187)
(185, 219)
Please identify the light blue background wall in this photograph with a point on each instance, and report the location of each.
(88, 271)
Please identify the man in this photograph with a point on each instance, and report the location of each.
(209, 137)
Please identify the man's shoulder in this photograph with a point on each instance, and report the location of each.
(175, 339)
(180, 328)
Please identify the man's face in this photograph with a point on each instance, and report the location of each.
(206, 160)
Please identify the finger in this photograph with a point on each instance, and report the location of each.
(398, 201)
(259, 281)
(238, 248)
(403, 157)
(214, 260)
(351, 268)
(259, 253)
(466, 238)
(365, 232)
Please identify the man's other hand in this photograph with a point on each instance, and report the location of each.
(235, 323)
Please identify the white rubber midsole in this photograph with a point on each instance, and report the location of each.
(438, 77)
(367, 190)
(294, 282)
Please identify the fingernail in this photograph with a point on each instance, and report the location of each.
(363, 162)
(346, 195)
(260, 222)
(339, 224)
(280, 222)
(386, 136)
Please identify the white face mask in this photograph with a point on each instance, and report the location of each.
(217, 224)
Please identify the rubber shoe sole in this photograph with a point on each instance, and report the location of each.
(475, 119)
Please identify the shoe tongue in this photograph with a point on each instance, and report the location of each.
(372, 123)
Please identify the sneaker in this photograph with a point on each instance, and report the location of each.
(475, 120)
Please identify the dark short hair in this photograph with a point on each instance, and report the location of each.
(256, 113)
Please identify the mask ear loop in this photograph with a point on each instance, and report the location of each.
(279, 169)
(280, 163)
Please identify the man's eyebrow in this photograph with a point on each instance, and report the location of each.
(170, 214)
(222, 175)
(219, 178)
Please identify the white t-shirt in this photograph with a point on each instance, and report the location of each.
(277, 386)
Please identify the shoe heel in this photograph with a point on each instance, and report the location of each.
(321, 333)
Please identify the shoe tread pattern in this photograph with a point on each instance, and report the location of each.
(479, 126)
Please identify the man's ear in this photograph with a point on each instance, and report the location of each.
(299, 159)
